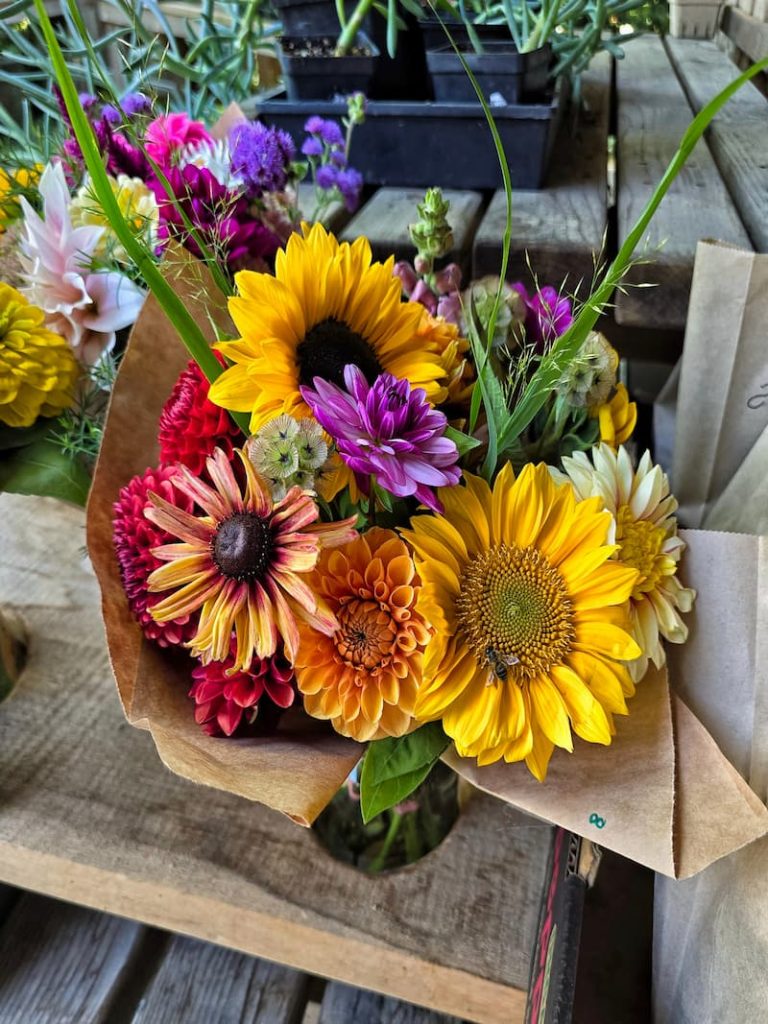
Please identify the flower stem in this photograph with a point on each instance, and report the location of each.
(378, 862)
(350, 30)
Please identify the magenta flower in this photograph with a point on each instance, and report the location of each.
(549, 314)
(221, 217)
(169, 135)
(388, 431)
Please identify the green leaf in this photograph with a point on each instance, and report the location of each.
(394, 768)
(18, 437)
(42, 468)
(464, 442)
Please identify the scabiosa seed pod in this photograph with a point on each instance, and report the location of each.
(191, 426)
(227, 701)
(134, 538)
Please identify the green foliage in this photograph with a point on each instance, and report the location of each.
(42, 468)
(393, 768)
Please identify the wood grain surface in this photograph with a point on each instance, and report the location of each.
(653, 114)
(385, 218)
(738, 136)
(560, 228)
(88, 813)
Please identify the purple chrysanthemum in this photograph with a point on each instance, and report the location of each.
(389, 431)
(549, 314)
(261, 156)
(221, 217)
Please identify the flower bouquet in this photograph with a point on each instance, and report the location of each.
(367, 524)
(70, 288)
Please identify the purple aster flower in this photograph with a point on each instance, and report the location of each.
(331, 133)
(261, 156)
(549, 314)
(221, 217)
(350, 183)
(136, 103)
(111, 114)
(327, 176)
(314, 125)
(312, 147)
(389, 431)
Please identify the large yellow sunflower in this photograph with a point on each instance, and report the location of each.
(530, 618)
(327, 306)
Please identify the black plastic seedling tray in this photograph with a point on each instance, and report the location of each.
(447, 144)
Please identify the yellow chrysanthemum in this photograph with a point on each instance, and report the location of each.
(530, 618)
(38, 369)
(618, 417)
(137, 205)
(646, 533)
(327, 306)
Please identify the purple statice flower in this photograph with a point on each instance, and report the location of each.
(327, 176)
(389, 431)
(549, 314)
(350, 184)
(312, 147)
(261, 157)
(136, 103)
(221, 217)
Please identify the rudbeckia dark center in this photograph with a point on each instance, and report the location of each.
(242, 547)
(330, 346)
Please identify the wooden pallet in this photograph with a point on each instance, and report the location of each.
(89, 814)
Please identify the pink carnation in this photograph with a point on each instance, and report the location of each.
(170, 134)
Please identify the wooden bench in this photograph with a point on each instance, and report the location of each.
(603, 172)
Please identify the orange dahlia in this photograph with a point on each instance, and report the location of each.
(364, 676)
(241, 564)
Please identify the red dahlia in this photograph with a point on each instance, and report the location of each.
(191, 426)
(223, 700)
(134, 538)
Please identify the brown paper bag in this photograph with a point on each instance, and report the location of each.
(711, 932)
(723, 393)
(298, 770)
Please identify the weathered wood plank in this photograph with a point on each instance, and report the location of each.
(653, 114)
(738, 136)
(563, 225)
(199, 983)
(344, 1005)
(748, 33)
(385, 218)
(88, 813)
(61, 964)
(335, 215)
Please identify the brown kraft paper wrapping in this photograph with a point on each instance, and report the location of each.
(722, 403)
(298, 770)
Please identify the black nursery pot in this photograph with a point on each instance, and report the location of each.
(434, 36)
(323, 77)
(518, 77)
(308, 17)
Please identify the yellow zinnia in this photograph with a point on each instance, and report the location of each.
(11, 185)
(328, 305)
(38, 369)
(530, 618)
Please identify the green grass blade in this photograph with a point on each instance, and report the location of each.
(172, 304)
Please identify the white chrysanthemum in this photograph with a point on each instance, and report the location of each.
(137, 205)
(214, 157)
(646, 532)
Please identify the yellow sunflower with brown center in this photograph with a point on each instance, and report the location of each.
(530, 617)
(327, 305)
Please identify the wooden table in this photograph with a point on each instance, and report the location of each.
(603, 172)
